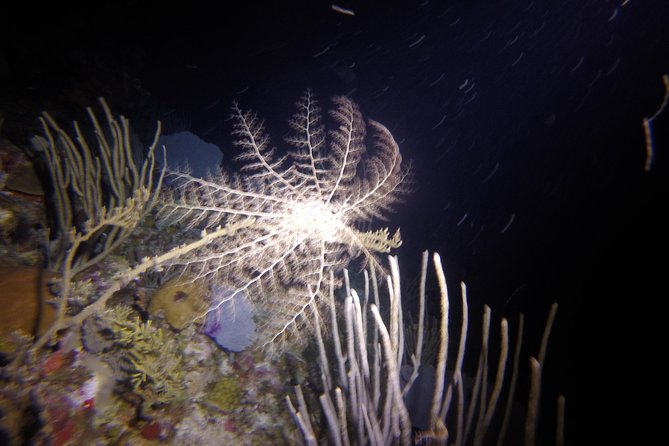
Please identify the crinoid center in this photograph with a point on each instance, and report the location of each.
(315, 219)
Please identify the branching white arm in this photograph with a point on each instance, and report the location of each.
(306, 204)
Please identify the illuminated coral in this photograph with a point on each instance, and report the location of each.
(181, 300)
(151, 359)
(226, 394)
(299, 212)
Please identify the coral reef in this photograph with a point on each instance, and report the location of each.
(182, 300)
(226, 394)
(148, 356)
(108, 370)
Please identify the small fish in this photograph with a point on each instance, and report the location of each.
(346, 11)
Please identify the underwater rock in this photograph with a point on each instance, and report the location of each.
(96, 335)
(182, 301)
(152, 431)
(23, 301)
(230, 324)
(226, 394)
(21, 176)
(187, 149)
(8, 222)
(57, 417)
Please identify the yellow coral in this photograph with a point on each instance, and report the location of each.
(155, 366)
(182, 300)
(226, 394)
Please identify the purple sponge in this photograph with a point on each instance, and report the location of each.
(231, 324)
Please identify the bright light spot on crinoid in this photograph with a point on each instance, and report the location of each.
(314, 218)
